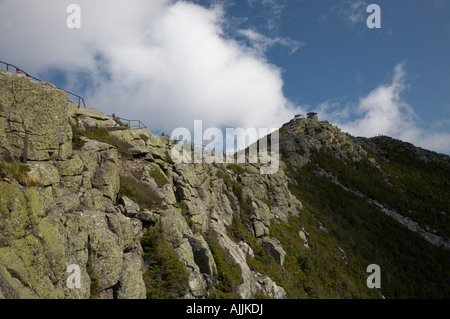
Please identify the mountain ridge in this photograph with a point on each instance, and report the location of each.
(111, 200)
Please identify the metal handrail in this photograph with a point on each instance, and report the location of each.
(129, 122)
(80, 99)
(8, 65)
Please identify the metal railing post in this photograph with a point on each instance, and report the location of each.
(80, 99)
(25, 149)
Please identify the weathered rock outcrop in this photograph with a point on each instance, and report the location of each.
(301, 137)
(74, 215)
(43, 233)
(94, 188)
(22, 124)
(68, 217)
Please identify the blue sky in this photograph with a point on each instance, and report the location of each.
(341, 60)
(246, 63)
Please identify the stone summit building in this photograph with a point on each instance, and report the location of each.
(310, 115)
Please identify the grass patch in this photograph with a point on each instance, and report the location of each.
(17, 172)
(77, 142)
(95, 289)
(138, 174)
(159, 177)
(100, 134)
(169, 159)
(139, 192)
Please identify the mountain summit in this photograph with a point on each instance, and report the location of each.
(94, 208)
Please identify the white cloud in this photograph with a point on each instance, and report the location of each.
(261, 43)
(384, 111)
(273, 11)
(166, 63)
(352, 11)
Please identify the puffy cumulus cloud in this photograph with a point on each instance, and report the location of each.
(384, 111)
(164, 62)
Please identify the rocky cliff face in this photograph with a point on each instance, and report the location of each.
(74, 214)
(93, 189)
(69, 216)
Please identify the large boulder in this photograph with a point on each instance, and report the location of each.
(106, 178)
(130, 208)
(275, 249)
(44, 173)
(131, 284)
(43, 232)
(204, 258)
(89, 117)
(35, 246)
(193, 252)
(105, 253)
(33, 116)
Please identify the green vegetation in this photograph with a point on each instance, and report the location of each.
(159, 177)
(139, 192)
(318, 272)
(117, 120)
(77, 142)
(419, 189)
(138, 174)
(95, 282)
(17, 172)
(246, 210)
(229, 272)
(410, 266)
(100, 134)
(238, 230)
(415, 189)
(169, 159)
(166, 277)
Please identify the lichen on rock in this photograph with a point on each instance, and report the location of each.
(76, 212)
(35, 112)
